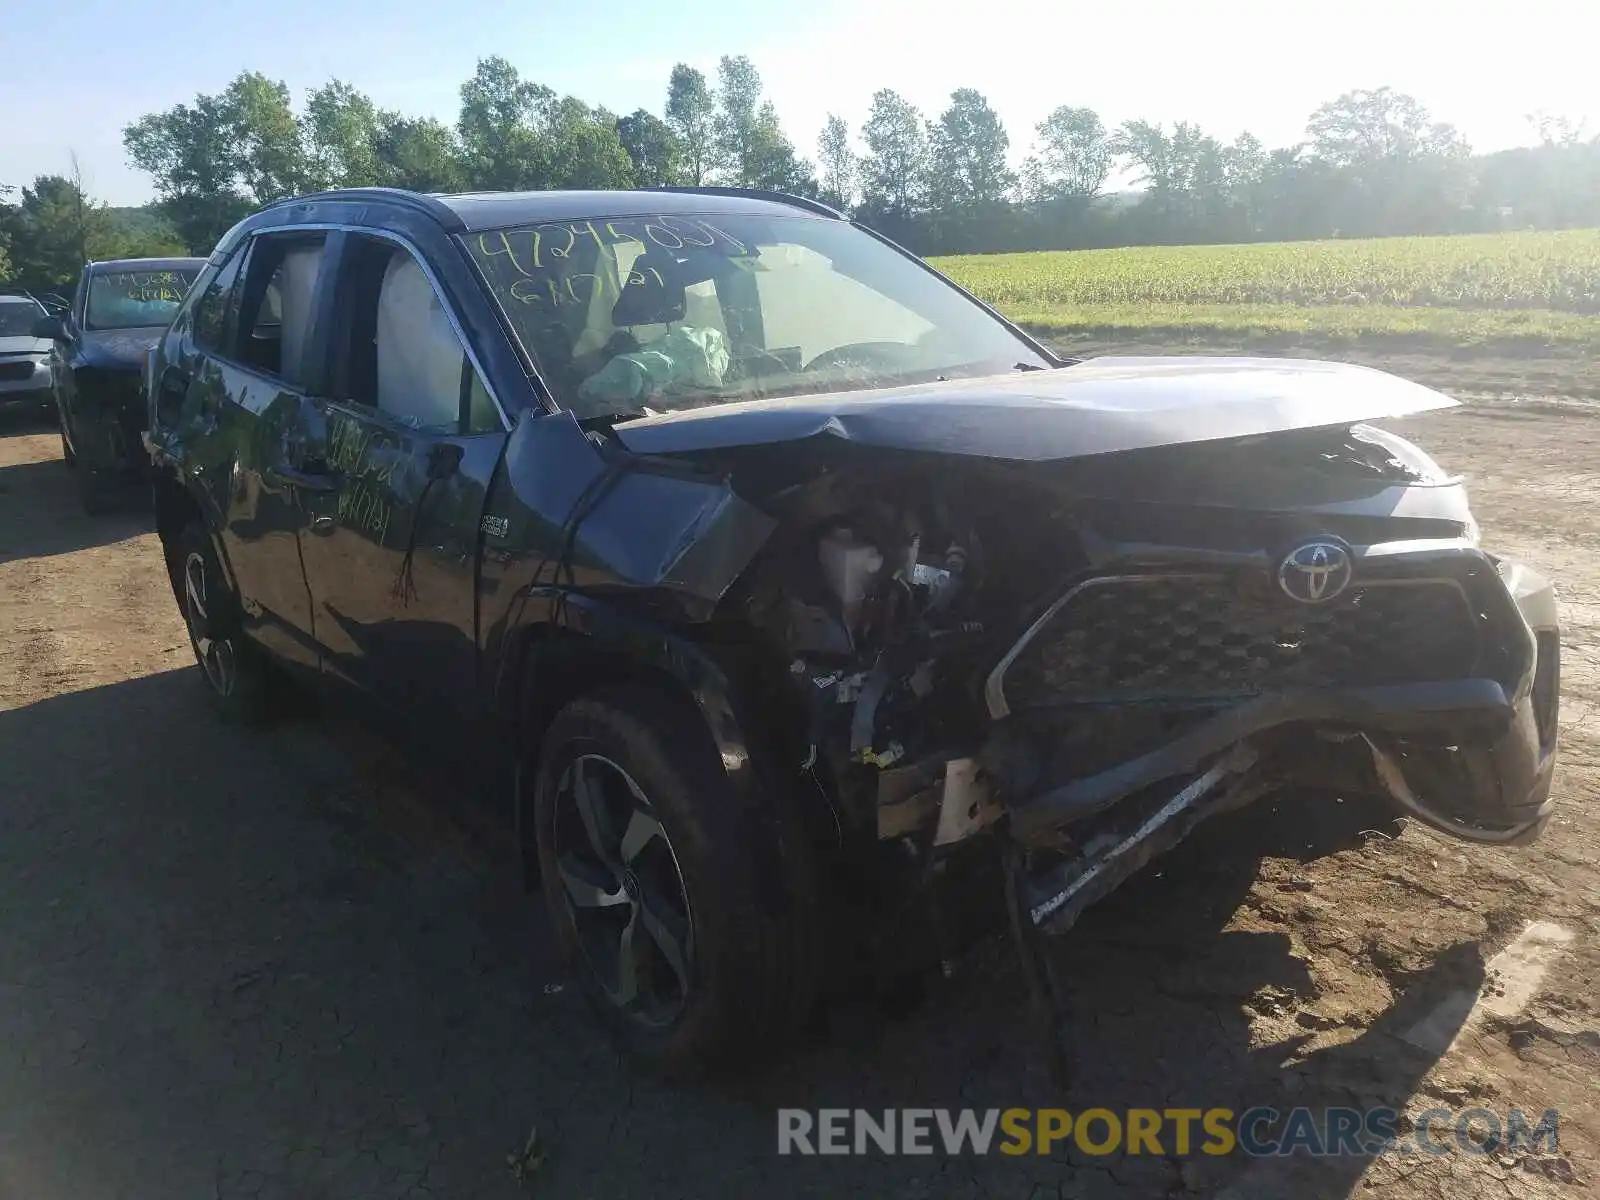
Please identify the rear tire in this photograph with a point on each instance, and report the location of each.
(236, 675)
(720, 898)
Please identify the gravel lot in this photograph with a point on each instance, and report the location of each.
(298, 963)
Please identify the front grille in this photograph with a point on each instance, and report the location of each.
(15, 371)
(1199, 639)
(110, 387)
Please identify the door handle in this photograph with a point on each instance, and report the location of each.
(305, 480)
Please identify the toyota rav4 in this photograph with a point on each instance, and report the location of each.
(817, 606)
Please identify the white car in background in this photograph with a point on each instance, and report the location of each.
(25, 378)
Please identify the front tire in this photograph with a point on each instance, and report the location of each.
(235, 673)
(686, 916)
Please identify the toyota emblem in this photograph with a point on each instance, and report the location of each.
(1314, 572)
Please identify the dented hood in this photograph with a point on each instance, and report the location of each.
(118, 349)
(1094, 407)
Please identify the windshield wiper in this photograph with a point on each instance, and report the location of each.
(1027, 366)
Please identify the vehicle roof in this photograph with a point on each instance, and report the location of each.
(493, 210)
(469, 212)
(12, 298)
(142, 264)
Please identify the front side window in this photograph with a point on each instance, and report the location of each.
(17, 318)
(132, 299)
(396, 349)
(649, 314)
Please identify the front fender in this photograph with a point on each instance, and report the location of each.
(595, 643)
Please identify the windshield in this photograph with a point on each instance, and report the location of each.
(17, 318)
(128, 299)
(650, 314)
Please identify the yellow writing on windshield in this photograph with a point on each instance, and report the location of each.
(537, 248)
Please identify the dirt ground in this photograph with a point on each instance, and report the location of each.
(297, 963)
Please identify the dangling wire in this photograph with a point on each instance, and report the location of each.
(594, 492)
(405, 585)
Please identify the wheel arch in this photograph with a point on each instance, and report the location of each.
(597, 646)
(176, 506)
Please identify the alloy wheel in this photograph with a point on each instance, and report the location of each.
(215, 653)
(623, 890)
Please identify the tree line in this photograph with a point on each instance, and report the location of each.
(1371, 163)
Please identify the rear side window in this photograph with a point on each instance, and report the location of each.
(275, 293)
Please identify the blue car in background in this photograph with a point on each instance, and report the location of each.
(119, 310)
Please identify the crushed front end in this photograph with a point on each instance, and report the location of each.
(108, 417)
(1073, 663)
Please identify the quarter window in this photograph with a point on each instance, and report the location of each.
(211, 309)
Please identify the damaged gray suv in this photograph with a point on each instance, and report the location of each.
(818, 607)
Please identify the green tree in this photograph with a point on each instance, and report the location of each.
(1365, 129)
(57, 227)
(837, 163)
(578, 147)
(736, 125)
(339, 134)
(691, 114)
(1401, 171)
(418, 153)
(773, 163)
(894, 171)
(1072, 156)
(214, 160)
(653, 147)
(497, 126)
(968, 147)
(266, 137)
(189, 155)
(1152, 154)
(7, 215)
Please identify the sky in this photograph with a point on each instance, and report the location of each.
(93, 66)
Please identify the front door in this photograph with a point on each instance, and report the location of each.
(412, 437)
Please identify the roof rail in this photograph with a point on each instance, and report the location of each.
(809, 205)
(430, 205)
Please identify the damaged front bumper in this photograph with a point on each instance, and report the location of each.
(1468, 757)
(108, 418)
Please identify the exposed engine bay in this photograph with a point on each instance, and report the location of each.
(974, 640)
(1085, 659)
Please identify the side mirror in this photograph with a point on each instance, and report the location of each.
(50, 328)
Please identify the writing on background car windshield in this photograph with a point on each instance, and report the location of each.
(165, 287)
(127, 298)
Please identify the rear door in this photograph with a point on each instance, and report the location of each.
(413, 436)
(244, 388)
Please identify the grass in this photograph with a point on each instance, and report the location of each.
(1520, 289)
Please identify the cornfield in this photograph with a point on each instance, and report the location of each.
(1554, 271)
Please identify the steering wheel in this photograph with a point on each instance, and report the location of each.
(857, 354)
(749, 358)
